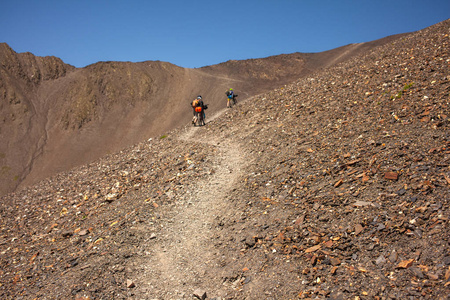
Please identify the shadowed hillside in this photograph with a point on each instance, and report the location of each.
(334, 186)
(55, 116)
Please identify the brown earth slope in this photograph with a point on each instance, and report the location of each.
(55, 116)
(22, 116)
(335, 186)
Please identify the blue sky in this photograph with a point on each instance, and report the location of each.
(194, 33)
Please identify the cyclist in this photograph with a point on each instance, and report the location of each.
(199, 108)
(194, 104)
(230, 94)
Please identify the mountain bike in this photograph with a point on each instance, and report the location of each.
(235, 99)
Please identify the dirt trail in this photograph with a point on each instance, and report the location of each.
(183, 257)
(351, 49)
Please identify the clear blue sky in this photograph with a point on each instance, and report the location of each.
(194, 33)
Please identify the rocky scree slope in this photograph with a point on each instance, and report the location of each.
(344, 194)
(347, 195)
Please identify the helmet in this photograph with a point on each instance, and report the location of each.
(199, 97)
(231, 89)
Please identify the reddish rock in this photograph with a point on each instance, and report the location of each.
(335, 261)
(404, 264)
(391, 175)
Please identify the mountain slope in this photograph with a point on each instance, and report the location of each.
(59, 117)
(335, 186)
(22, 131)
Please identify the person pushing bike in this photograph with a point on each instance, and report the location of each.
(229, 94)
(199, 110)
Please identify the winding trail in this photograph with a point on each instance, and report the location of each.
(184, 253)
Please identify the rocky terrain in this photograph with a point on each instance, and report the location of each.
(335, 186)
(58, 117)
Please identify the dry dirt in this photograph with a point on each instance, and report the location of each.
(335, 186)
(185, 251)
